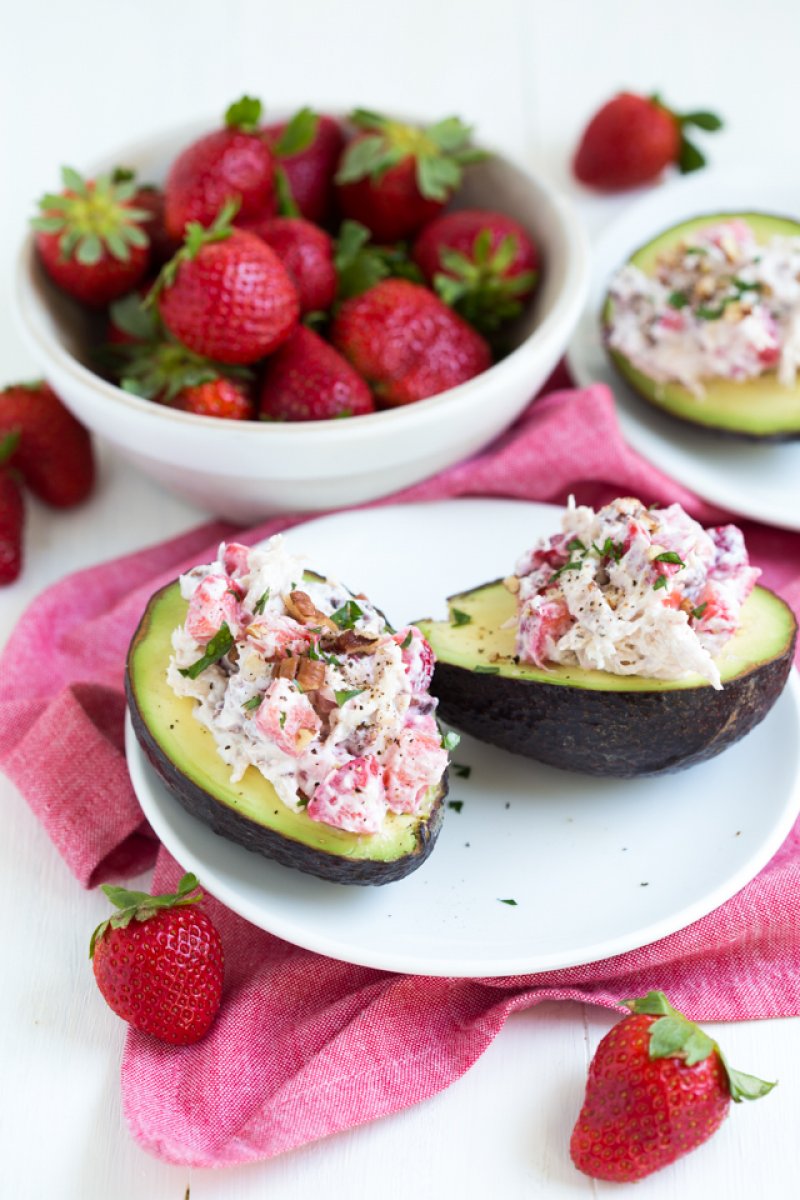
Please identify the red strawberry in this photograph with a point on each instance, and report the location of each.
(406, 343)
(306, 252)
(92, 238)
(159, 963)
(633, 138)
(12, 512)
(230, 163)
(226, 295)
(217, 398)
(55, 451)
(394, 177)
(482, 263)
(162, 245)
(307, 149)
(658, 1087)
(306, 380)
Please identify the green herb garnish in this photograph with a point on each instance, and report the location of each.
(456, 805)
(346, 616)
(406, 642)
(576, 544)
(261, 604)
(661, 582)
(450, 739)
(513, 903)
(216, 649)
(253, 702)
(609, 549)
(669, 556)
(482, 670)
(462, 770)
(347, 694)
(698, 612)
(458, 617)
(677, 300)
(572, 565)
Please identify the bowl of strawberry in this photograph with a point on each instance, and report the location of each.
(299, 313)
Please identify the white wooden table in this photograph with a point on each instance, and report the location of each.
(79, 79)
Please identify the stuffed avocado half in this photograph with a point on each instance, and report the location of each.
(593, 721)
(632, 642)
(701, 323)
(243, 804)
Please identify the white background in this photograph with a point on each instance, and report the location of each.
(78, 79)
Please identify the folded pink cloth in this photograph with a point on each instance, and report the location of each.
(305, 1046)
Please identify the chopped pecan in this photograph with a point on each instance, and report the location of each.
(287, 667)
(302, 608)
(511, 584)
(686, 606)
(311, 674)
(350, 641)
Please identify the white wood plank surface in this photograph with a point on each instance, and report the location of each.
(76, 81)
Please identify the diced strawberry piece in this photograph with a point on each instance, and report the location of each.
(287, 718)
(277, 636)
(418, 658)
(718, 615)
(351, 797)
(414, 763)
(541, 626)
(234, 559)
(212, 604)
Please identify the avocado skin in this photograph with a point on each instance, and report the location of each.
(618, 734)
(228, 823)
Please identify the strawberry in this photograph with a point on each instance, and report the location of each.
(632, 139)
(406, 343)
(226, 294)
(482, 263)
(307, 151)
(658, 1087)
(216, 398)
(92, 238)
(394, 177)
(306, 380)
(156, 367)
(306, 252)
(55, 451)
(12, 512)
(158, 962)
(230, 163)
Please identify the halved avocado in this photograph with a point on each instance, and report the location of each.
(593, 721)
(760, 409)
(185, 755)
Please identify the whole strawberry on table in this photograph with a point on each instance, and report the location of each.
(658, 1087)
(273, 227)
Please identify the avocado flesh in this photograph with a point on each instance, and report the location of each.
(594, 721)
(760, 408)
(184, 753)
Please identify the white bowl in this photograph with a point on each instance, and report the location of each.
(245, 471)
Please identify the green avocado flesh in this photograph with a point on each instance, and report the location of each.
(759, 408)
(593, 721)
(185, 755)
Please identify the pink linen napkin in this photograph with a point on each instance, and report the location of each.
(305, 1046)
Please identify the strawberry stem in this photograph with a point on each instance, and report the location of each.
(141, 906)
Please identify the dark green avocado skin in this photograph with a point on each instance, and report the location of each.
(229, 824)
(618, 734)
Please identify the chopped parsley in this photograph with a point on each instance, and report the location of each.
(456, 805)
(576, 544)
(261, 604)
(572, 565)
(450, 739)
(253, 702)
(698, 612)
(513, 903)
(677, 300)
(407, 640)
(216, 649)
(609, 549)
(282, 720)
(462, 770)
(661, 582)
(346, 616)
(482, 670)
(669, 556)
(345, 695)
(458, 617)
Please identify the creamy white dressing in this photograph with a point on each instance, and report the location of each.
(719, 306)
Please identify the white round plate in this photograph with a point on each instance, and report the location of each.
(595, 866)
(762, 482)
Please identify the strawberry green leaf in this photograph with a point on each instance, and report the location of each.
(654, 1003)
(90, 250)
(123, 175)
(365, 118)
(703, 120)
(449, 134)
(298, 134)
(8, 445)
(244, 114)
(73, 181)
(689, 157)
(746, 1087)
(371, 157)
(287, 206)
(141, 906)
(118, 246)
(437, 177)
(130, 315)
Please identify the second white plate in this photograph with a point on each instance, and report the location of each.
(762, 482)
(593, 866)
